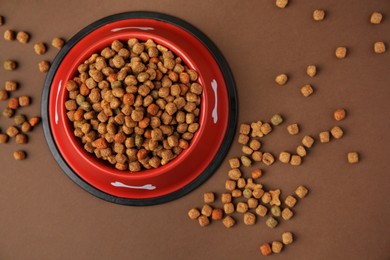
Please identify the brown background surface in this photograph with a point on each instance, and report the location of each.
(44, 215)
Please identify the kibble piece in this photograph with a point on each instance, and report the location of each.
(9, 35)
(3, 94)
(379, 47)
(318, 15)
(281, 3)
(290, 201)
(228, 221)
(341, 52)
(257, 156)
(277, 247)
(256, 129)
(311, 70)
(339, 114)
(293, 129)
(234, 163)
(228, 208)
(271, 222)
(230, 185)
(208, 197)
(287, 238)
(3, 138)
(256, 173)
(243, 139)
(57, 43)
(13, 103)
(261, 210)
(281, 79)
(234, 174)
(266, 198)
(26, 127)
(275, 197)
(203, 221)
(193, 213)
(249, 218)
(307, 90)
(253, 203)
(11, 85)
(216, 214)
(276, 120)
(265, 249)
(241, 182)
(268, 159)
(287, 214)
(353, 157)
(307, 141)
(296, 160)
(301, 151)
(245, 129)
(12, 131)
(19, 155)
(242, 207)
(254, 145)
(275, 211)
(40, 48)
(266, 128)
(284, 157)
(376, 18)
(337, 132)
(10, 65)
(301, 191)
(43, 66)
(8, 112)
(34, 120)
(24, 101)
(226, 198)
(206, 210)
(23, 37)
(19, 119)
(247, 193)
(324, 137)
(246, 161)
(257, 192)
(247, 150)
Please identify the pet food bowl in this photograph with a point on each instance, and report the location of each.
(194, 165)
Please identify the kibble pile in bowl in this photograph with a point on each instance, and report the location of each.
(135, 105)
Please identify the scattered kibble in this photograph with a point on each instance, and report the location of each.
(261, 210)
(311, 70)
(254, 145)
(12, 131)
(275, 211)
(208, 197)
(281, 3)
(284, 157)
(324, 137)
(281, 79)
(293, 129)
(57, 43)
(40, 48)
(249, 218)
(257, 156)
(301, 151)
(256, 129)
(228, 221)
(290, 201)
(193, 213)
(307, 90)
(236, 193)
(246, 162)
(8, 112)
(9, 35)
(353, 157)
(24, 101)
(234, 174)
(19, 119)
(296, 160)
(19, 155)
(339, 114)
(245, 129)
(242, 207)
(216, 214)
(277, 247)
(318, 15)
(10, 65)
(337, 132)
(341, 52)
(234, 163)
(11, 85)
(287, 213)
(13, 103)
(301, 191)
(247, 150)
(379, 47)
(203, 221)
(226, 198)
(43, 66)
(376, 18)
(276, 120)
(243, 139)
(23, 37)
(308, 141)
(247, 193)
(206, 210)
(266, 128)
(287, 238)
(268, 159)
(275, 197)
(228, 208)
(21, 139)
(266, 198)
(3, 138)
(34, 120)
(265, 249)
(271, 222)
(230, 185)
(257, 173)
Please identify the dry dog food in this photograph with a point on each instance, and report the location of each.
(44, 66)
(23, 37)
(281, 3)
(290, 201)
(10, 65)
(277, 247)
(19, 155)
(193, 213)
(337, 132)
(271, 222)
(301, 151)
(339, 114)
(324, 137)
(287, 238)
(3, 138)
(265, 249)
(307, 90)
(311, 70)
(281, 79)
(228, 221)
(341, 52)
(287, 214)
(318, 15)
(9, 35)
(301, 191)
(293, 129)
(296, 160)
(308, 141)
(376, 18)
(379, 47)
(40, 48)
(11, 85)
(134, 104)
(216, 214)
(284, 157)
(208, 197)
(57, 43)
(276, 120)
(249, 218)
(353, 157)
(203, 221)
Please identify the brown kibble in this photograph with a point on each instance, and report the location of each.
(254, 145)
(257, 192)
(3, 138)
(21, 139)
(281, 3)
(257, 173)
(290, 201)
(246, 150)
(293, 129)
(19, 155)
(339, 114)
(208, 197)
(379, 47)
(318, 15)
(203, 221)
(353, 157)
(9, 35)
(276, 119)
(324, 137)
(10, 65)
(275, 211)
(268, 159)
(245, 161)
(311, 70)
(275, 197)
(226, 198)
(257, 156)
(284, 157)
(341, 52)
(265, 249)
(241, 183)
(287, 238)
(245, 129)
(252, 203)
(287, 214)
(301, 151)
(301, 191)
(234, 174)
(271, 222)
(12, 131)
(266, 198)
(256, 129)
(261, 210)
(24, 101)
(43, 66)
(228, 208)
(243, 139)
(230, 185)
(19, 119)
(13, 103)
(57, 43)
(23, 37)
(337, 132)
(281, 79)
(307, 141)
(266, 128)
(296, 160)
(234, 163)
(228, 222)
(34, 120)
(11, 85)
(242, 207)
(40, 48)
(376, 18)
(3, 94)
(216, 214)
(307, 90)
(206, 210)
(8, 112)
(277, 247)
(247, 193)
(249, 219)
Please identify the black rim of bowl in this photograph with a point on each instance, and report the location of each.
(232, 120)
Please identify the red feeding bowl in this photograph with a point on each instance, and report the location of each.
(210, 143)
